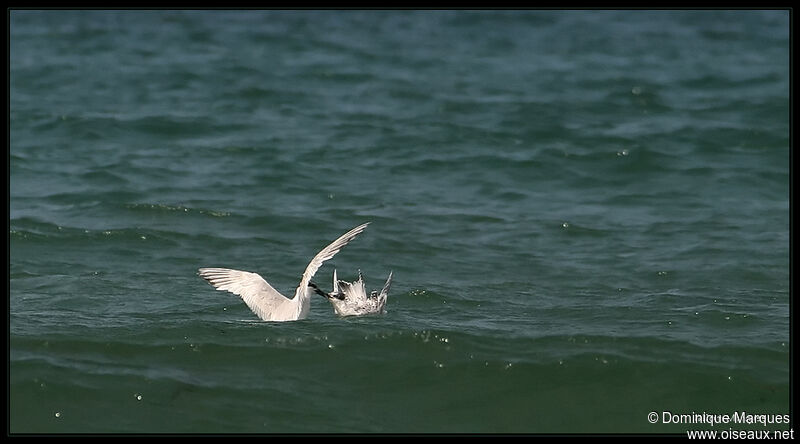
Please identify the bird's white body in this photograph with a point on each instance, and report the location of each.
(266, 302)
(355, 301)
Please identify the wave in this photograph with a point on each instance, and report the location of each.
(388, 380)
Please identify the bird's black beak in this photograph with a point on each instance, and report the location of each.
(318, 291)
(339, 296)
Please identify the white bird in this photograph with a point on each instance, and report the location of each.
(265, 301)
(352, 299)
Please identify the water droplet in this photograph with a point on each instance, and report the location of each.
(138, 397)
(58, 414)
(331, 346)
(565, 225)
(143, 237)
(622, 153)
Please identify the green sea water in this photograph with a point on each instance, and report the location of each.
(586, 214)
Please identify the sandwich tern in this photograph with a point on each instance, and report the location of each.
(265, 301)
(350, 298)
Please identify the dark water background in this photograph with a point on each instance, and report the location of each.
(586, 212)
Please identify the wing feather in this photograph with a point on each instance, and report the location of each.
(325, 254)
(354, 292)
(385, 290)
(253, 289)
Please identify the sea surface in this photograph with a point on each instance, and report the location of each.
(586, 214)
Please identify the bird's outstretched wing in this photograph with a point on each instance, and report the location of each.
(385, 291)
(325, 254)
(253, 289)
